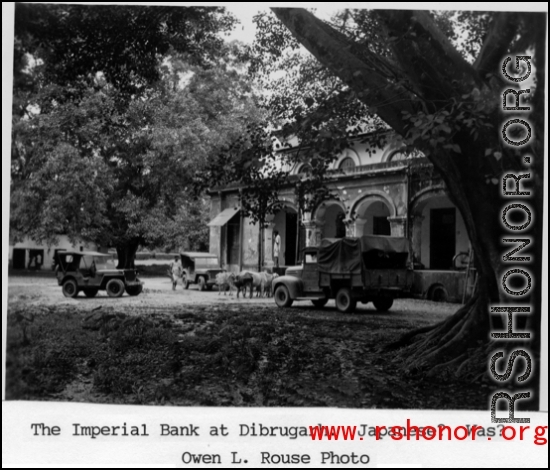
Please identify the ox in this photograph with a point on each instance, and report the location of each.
(225, 281)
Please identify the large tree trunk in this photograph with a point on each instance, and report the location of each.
(126, 254)
(462, 346)
(438, 76)
(460, 343)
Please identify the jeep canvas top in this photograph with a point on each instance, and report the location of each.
(199, 268)
(92, 271)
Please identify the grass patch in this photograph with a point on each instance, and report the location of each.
(43, 352)
(136, 351)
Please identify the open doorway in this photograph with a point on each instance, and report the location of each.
(442, 237)
(291, 233)
(18, 258)
(286, 223)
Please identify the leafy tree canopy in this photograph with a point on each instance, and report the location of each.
(91, 160)
(125, 43)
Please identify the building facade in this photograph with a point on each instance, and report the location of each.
(28, 254)
(381, 192)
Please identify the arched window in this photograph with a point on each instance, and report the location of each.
(346, 164)
(305, 168)
(399, 155)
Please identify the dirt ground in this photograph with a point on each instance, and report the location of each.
(187, 347)
(157, 293)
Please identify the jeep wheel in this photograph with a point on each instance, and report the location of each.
(91, 292)
(344, 301)
(115, 288)
(184, 281)
(319, 303)
(383, 304)
(70, 288)
(134, 290)
(282, 297)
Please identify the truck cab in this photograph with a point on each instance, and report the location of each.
(365, 269)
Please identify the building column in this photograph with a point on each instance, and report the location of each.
(268, 240)
(311, 228)
(416, 237)
(241, 238)
(397, 226)
(360, 223)
(317, 231)
(350, 227)
(216, 233)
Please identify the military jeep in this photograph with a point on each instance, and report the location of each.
(90, 272)
(199, 268)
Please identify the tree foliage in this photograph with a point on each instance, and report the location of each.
(125, 43)
(107, 150)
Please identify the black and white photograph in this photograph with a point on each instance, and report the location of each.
(277, 207)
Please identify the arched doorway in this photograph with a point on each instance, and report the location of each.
(438, 230)
(287, 224)
(329, 218)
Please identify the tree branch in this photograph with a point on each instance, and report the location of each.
(496, 44)
(427, 57)
(336, 52)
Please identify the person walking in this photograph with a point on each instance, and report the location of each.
(176, 270)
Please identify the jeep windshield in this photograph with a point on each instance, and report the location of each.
(199, 260)
(101, 262)
(206, 262)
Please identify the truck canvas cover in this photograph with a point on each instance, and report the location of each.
(353, 255)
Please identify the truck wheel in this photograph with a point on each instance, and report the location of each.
(383, 304)
(319, 303)
(344, 302)
(115, 288)
(70, 288)
(91, 292)
(185, 282)
(282, 297)
(134, 290)
(202, 283)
